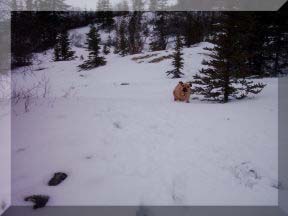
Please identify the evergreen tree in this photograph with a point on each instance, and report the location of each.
(46, 25)
(62, 50)
(264, 39)
(22, 44)
(135, 33)
(106, 49)
(116, 39)
(177, 59)
(135, 27)
(159, 34)
(105, 14)
(221, 80)
(93, 42)
(193, 30)
(109, 41)
(254, 27)
(65, 49)
(276, 47)
(57, 49)
(122, 46)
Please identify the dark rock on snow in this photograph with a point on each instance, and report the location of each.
(39, 201)
(57, 179)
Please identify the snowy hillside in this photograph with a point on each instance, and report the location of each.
(122, 140)
(5, 155)
(5, 141)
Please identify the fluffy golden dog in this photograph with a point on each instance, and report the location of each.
(182, 92)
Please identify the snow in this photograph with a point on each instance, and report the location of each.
(5, 143)
(132, 144)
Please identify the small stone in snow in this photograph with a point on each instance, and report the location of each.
(57, 179)
(39, 201)
(125, 84)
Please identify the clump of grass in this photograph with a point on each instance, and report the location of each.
(162, 58)
(144, 57)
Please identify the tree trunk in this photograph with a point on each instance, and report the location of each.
(226, 86)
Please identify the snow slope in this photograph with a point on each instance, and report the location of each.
(132, 144)
(5, 143)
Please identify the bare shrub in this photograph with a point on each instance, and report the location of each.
(27, 94)
(45, 85)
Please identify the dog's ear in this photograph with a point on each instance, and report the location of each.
(190, 84)
(181, 83)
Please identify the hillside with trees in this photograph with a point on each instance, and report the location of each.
(263, 35)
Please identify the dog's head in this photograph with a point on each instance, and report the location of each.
(185, 86)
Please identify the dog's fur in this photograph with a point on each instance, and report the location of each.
(182, 92)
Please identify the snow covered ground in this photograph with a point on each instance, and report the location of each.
(5, 143)
(132, 144)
